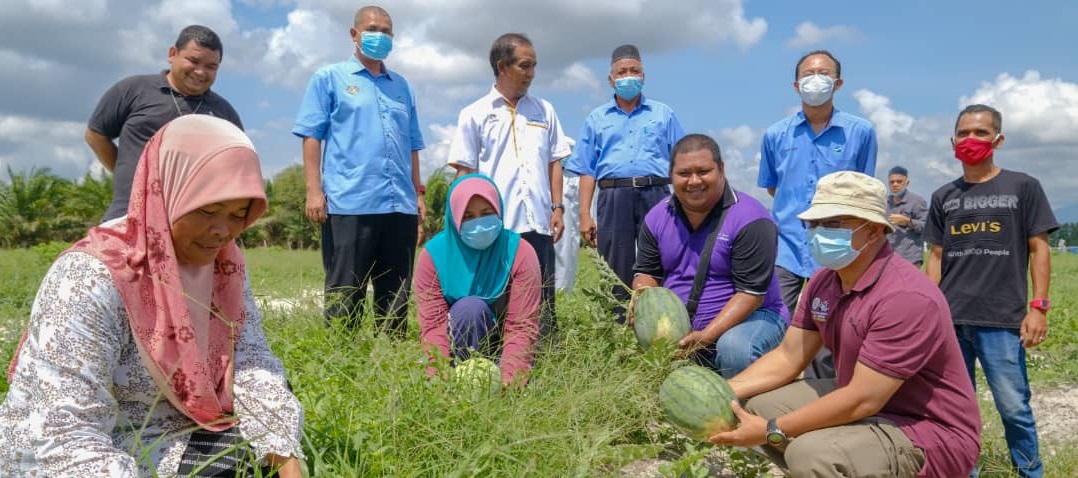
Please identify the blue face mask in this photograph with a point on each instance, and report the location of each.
(832, 247)
(480, 233)
(628, 87)
(900, 193)
(376, 45)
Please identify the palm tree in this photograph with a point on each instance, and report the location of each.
(32, 209)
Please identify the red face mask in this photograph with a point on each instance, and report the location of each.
(973, 151)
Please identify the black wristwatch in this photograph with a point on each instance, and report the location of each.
(775, 437)
(556, 207)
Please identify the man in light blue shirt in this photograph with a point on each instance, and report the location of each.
(361, 143)
(799, 150)
(625, 147)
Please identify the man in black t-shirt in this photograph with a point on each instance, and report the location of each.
(987, 229)
(137, 106)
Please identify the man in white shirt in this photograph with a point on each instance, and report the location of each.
(517, 140)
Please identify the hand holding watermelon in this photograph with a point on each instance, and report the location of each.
(751, 432)
(657, 313)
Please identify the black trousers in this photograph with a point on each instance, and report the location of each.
(378, 248)
(544, 248)
(620, 214)
(823, 366)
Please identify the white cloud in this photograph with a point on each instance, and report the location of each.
(437, 152)
(809, 34)
(1040, 119)
(578, 77)
(27, 143)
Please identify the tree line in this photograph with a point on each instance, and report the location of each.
(38, 207)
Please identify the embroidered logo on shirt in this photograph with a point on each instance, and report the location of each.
(820, 309)
(838, 149)
(352, 89)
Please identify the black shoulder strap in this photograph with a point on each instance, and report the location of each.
(705, 262)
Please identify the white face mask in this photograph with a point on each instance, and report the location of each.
(816, 89)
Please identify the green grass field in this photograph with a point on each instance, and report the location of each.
(589, 410)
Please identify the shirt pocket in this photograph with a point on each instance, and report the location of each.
(534, 138)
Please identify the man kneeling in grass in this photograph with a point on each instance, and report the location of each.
(901, 405)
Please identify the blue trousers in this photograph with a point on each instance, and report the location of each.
(620, 214)
(473, 327)
(742, 344)
(1003, 360)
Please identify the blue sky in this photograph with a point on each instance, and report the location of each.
(725, 66)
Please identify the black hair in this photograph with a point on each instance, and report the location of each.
(838, 66)
(696, 142)
(202, 36)
(997, 117)
(503, 48)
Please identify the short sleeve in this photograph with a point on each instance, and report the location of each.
(752, 257)
(933, 231)
(464, 147)
(1039, 216)
(413, 124)
(585, 155)
(648, 257)
(312, 121)
(560, 145)
(767, 177)
(112, 110)
(866, 158)
(674, 133)
(801, 317)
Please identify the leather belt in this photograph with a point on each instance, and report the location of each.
(634, 182)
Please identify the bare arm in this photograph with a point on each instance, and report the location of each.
(103, 148)
(1034, 327)
(557, 217)
(771, 191)
(867, 393)
(736, 310)
(587, 223)
(779, 366)
(935, 263)
(312, 170)
(461, 170)
(417, 183)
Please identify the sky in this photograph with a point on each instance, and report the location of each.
(726, 67)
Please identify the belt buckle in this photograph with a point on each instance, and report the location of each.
(633, 181)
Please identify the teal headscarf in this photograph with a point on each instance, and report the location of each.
(464, 271)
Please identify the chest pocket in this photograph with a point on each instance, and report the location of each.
(835, 152)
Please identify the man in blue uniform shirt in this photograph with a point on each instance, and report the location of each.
(795, 153)
(625, 147)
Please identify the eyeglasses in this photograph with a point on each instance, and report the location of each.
(832, 223)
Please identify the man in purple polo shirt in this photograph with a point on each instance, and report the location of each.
(740, 314)
(901, 404)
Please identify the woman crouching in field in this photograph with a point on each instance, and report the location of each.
(156, 304)
(477, 285)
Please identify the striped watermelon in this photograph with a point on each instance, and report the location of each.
(696, 400)
(659, 314)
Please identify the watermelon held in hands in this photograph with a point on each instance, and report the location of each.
(659, 314)
(478, 376)
(696, 401)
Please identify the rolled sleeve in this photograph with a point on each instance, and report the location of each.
(312, 121)
(752, 258)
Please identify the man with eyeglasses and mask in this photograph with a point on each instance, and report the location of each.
(795, 153)
(900, 405)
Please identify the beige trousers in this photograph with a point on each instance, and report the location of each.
(873, 447)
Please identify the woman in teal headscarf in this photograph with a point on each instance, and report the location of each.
(477, 285)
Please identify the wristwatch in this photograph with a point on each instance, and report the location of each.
(421, 189)
(775, 437)
(556, 207)
(1040, 304)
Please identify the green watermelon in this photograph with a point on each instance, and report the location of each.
(478, 376)
(659, 314)
(696, 400)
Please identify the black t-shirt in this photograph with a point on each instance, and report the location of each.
(984, 229)
(133, 110)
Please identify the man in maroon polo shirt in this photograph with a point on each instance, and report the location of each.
(901, 404)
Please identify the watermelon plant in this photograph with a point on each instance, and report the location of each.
(659, 314)
(696, 400)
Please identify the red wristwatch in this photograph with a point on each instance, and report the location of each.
(1040, 304)
(421, 189)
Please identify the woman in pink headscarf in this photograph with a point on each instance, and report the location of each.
(145, 354)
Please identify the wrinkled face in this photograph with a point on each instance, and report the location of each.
(517, 77)
(200, 234)
(477, 207)
(193, 68)
(698, 180)
(897, 182)
(626, 67)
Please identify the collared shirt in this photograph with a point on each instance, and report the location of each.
(895, 321)
(743, 259)
(368, 127)
(907, 239)
(514, 145)
(615, 144)
(793, 158)
(133, 110)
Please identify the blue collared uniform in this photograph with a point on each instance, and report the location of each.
(616, 144)
(368, 127)
(793, 158)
